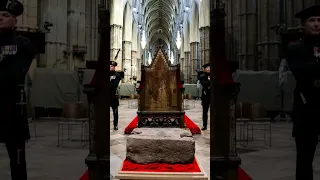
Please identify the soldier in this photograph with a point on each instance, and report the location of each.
(16, 55)
(205, 98)
(303, 58)
(114, 100)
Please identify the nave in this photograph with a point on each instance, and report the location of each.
(47, 162)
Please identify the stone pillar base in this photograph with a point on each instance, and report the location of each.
(224, 168)
(98, 168)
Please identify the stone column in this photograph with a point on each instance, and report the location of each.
(138, 69)
(134, 63)
(268, 44)
(126, 60)
(92, 30)
(187, 71)
(194, 61)
(80, 48)
(232, 29)
(182, 66)
(116, 44)
(224, 162)
(57, 51)
(248, 35)
(98, 159)
(204, 45)
(28, 21)
(76, 33)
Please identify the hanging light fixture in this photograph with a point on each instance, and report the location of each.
(178, 42)
(149, 59)
(172, 58)
(143, 40)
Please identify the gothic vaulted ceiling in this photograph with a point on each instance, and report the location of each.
(160, 18)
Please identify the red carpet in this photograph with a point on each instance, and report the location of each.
(189, 124)
(161, 167)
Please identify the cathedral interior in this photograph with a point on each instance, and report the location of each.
(68, 36)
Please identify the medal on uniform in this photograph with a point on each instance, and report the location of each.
(6, 50)
(14, 49)
(112, 77)
(1, 54)
(1, 57)
(9, 50)
(316, 53)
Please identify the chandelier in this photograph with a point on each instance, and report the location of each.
(143, 40)
(172, 57)
(178, 42)
(149, 59)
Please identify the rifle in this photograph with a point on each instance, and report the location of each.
(115, 58)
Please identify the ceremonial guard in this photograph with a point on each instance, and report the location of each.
(205, 97)
(16, 56)
(303, 58)
(115, 79)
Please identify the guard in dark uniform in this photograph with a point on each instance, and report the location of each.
(115, 79)
(205, 97)
(16, 55)
(303, 58)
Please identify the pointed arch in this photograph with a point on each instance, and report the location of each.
(204, 20)
(186, 36)
(127, 23)
(134, 36)
(116, 14)
(194, 29)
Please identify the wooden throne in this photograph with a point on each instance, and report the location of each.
(160, 94)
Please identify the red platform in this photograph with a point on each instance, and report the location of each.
(189, 124)
(168, 168)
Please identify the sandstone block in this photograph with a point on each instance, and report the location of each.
(160, 145)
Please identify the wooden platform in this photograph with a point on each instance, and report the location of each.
(140, 175)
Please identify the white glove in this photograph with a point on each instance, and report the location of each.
(283, 69)
(198, 84)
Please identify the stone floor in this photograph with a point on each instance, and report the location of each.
(46, 161)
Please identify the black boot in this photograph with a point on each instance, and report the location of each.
(205, 116)
(115, 118)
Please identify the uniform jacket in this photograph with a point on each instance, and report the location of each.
(304, 63)
(16, 55)
(205, 82)
(114, 83)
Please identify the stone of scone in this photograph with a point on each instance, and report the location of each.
(160, 145)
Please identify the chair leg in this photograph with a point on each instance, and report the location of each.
(270, 132)
(248, 134)
(35, 130)
(252, 130)
(58, 135)
(82, 135)
(70, 132)
(264, 133)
